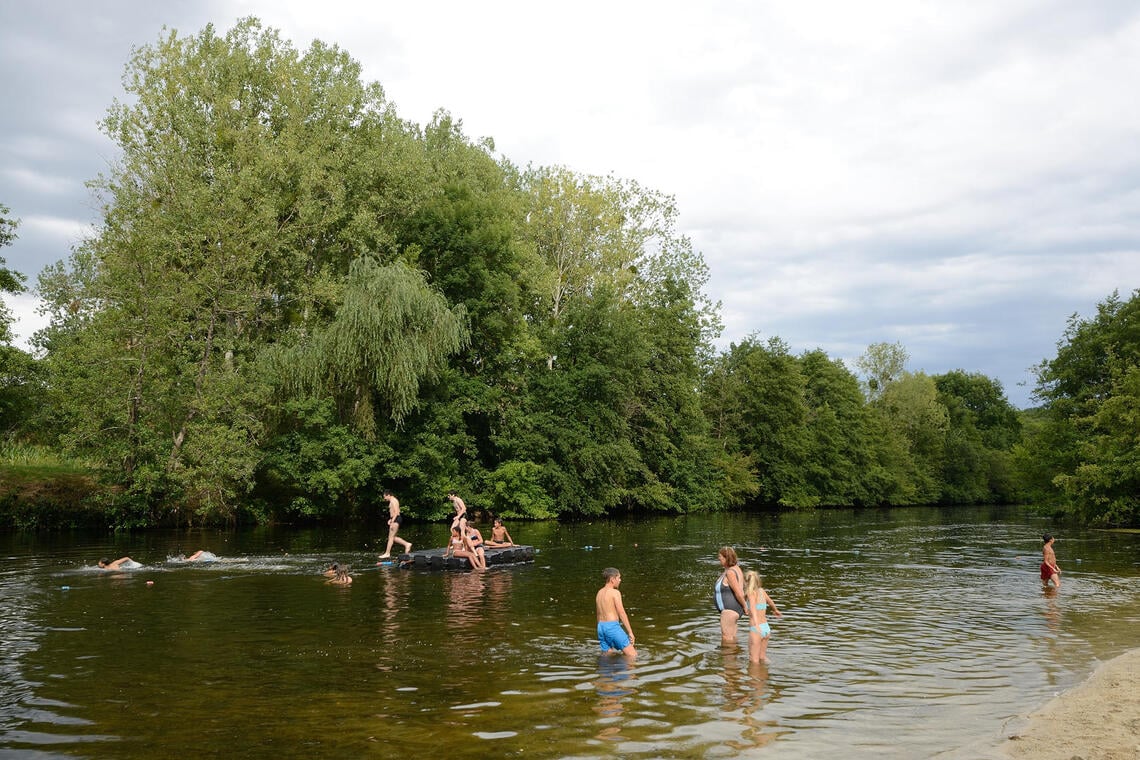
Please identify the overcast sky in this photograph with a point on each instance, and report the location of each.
(959, 177)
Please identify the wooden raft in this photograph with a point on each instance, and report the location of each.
(433, 559)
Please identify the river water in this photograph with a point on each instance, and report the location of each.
(908, 633)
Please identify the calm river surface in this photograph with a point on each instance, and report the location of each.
(908, 633)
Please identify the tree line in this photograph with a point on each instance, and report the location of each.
(296, 299)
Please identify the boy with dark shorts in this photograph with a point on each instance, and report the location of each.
(395, 519)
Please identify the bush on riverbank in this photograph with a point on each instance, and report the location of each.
(39, 498)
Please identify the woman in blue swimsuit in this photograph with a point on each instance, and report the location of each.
(729, 593)
(758, 628)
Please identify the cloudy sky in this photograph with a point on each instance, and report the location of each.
(959, 177)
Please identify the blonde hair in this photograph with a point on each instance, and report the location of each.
(752, 582)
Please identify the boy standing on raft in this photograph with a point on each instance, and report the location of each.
(395, 519)
(612, 617)
(1049, 569)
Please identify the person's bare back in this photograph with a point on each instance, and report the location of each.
(614, 631)
(607, 601)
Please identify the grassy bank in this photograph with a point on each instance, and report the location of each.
(41, 490)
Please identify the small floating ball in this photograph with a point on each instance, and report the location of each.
(65, 588)
(150, 583)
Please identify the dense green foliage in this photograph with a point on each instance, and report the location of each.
(296, 299)
(20, 387)
(1082, 455)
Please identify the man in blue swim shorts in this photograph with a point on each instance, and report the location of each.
(613, 623)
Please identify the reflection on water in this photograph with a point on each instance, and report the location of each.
(614, 683)
(746, 692)
(906, 633)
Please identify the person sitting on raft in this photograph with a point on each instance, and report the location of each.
(458, 547)
(499, 536)
(475, 544)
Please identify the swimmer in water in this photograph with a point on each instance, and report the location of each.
(122, 563)
(201, 556)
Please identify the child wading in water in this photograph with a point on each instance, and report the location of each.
(1049, 569)
(615, 634)
(758, 629)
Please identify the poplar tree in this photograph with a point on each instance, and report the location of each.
(251, 175)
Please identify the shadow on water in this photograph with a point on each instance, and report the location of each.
(907, 633)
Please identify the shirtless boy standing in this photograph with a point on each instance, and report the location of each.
(612, 617)
(1049, 569)
(460, 518)
(395, 519)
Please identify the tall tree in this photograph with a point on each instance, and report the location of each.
(841, 466)
(1085, 452)
(983, 428)
(466, 238)
(227, 225)
(881, 365)
(759, 411)
(910, 404)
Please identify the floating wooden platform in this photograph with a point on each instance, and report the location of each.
(433, 559)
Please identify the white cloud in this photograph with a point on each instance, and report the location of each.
(38, 182)
(67, 232)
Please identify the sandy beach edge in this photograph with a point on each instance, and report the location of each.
(1099, 719)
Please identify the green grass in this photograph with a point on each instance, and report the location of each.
(27, 463)
(18, 454)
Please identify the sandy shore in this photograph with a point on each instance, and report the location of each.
(1098, 720)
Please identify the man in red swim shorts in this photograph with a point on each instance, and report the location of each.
(1049, 569)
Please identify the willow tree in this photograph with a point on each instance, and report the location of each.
(345, 387)
(390, 332)
(232, 214)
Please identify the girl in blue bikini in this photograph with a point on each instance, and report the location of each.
(758, 629)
